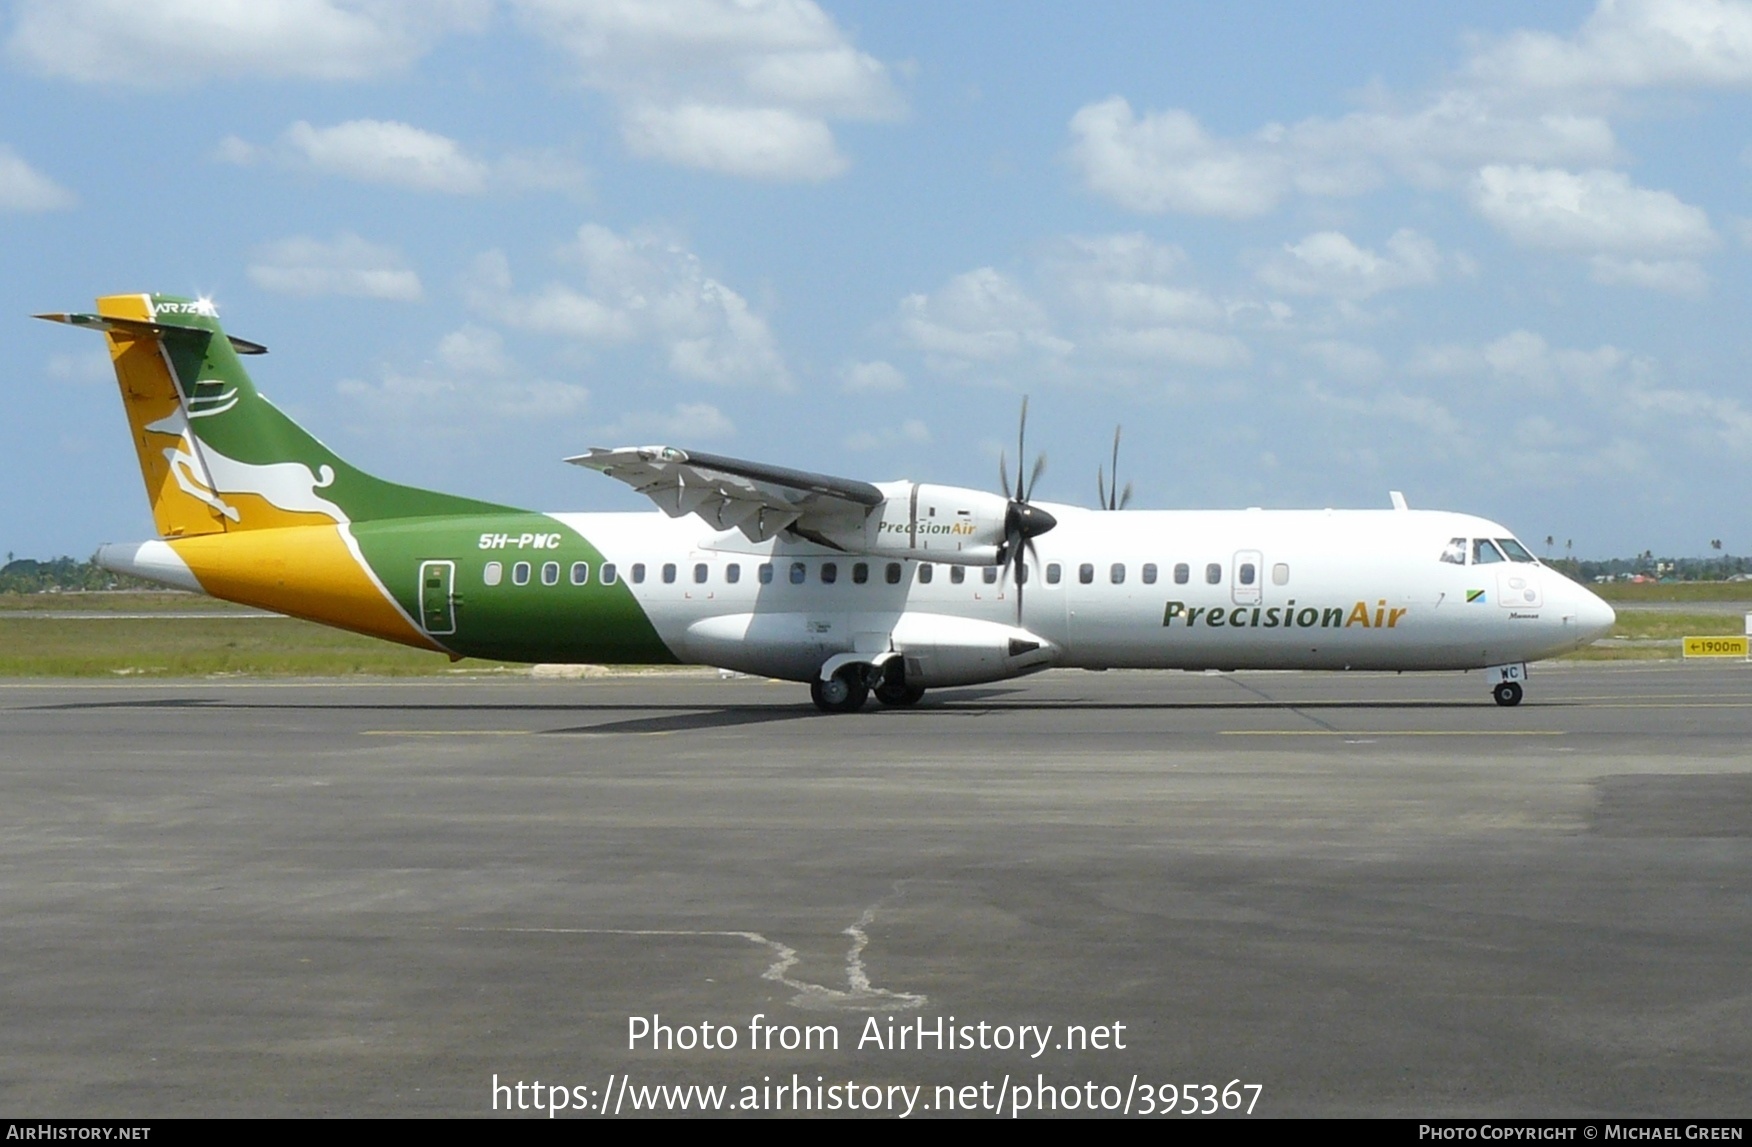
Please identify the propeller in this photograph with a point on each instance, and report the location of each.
(1023, 522)
(1112, 499)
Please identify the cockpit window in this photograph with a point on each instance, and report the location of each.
(1456, 551)
(1516, 551)
(1483, 553)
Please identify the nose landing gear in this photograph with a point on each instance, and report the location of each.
(1506, 683)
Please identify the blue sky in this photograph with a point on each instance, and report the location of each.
(1305, 254)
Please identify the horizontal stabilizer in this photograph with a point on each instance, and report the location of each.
(142, 327)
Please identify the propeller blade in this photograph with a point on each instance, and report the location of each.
(1111, 501)
(1125, 498)
(1021, 449)
(1100, 488)
(1003, 475)
(1035, 554)
(1039, 468)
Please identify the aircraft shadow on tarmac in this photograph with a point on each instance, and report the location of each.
(681, 717)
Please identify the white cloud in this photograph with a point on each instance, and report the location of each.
(1594, 211)
(1104, 306)
(347, 265)
(1166, 162)
(979, 315)
(384, 151)
(759, 143)
(871, 378)
(24, 188)
(1618, 388)
(1528, 99)
(641, 288)
(1329, 263)
(686, 422)
(1674, 276)
(175, 43)
(1629, 44)
(471, 379)
(739, 87)
(1346, 360)
(400, 155)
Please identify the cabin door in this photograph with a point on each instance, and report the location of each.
(437, 601)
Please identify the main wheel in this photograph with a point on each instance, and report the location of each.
(1508, 693)
(899, 695)
(843, 693)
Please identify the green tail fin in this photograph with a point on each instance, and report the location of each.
(216, 456)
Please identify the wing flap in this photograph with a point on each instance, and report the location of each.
(730, 493)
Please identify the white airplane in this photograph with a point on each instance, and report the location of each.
(892, 588)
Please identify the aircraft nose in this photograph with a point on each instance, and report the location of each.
(1593, 617)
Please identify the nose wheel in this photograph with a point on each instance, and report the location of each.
(1507, 694)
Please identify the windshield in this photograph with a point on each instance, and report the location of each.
(1516, 551)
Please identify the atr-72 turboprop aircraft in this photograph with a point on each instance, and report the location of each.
(854, 587)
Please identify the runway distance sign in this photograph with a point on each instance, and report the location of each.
(1717, 647)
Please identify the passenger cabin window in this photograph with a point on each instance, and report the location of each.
(638, 573)
(1116, 574)
(1182, 573)
(892, 573)
(766, 573)
(1280, 574)
(732, 573)
(493, 574)
(860, 572)
(798, 573)
(829, 572)
(609, 573)
(1483, 553)
(700, 573)
(1516, 551)
(926, 573)
(957, 574)
(1247, 574)
(1455, 551)
(580, 573)
(1149, 573)
(1086, 573)
(520, 574)
(668, 573)
(990, 574)
(1214, 574)
(1054, 571)
(550, 573)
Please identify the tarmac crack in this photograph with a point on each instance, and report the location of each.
(858, 995)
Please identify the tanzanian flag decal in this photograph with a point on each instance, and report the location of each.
(1473, 595)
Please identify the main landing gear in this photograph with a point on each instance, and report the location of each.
(844, 692)
(851, 685)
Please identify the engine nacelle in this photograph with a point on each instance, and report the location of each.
(950, 524)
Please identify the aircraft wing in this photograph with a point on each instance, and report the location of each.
(729, 493)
